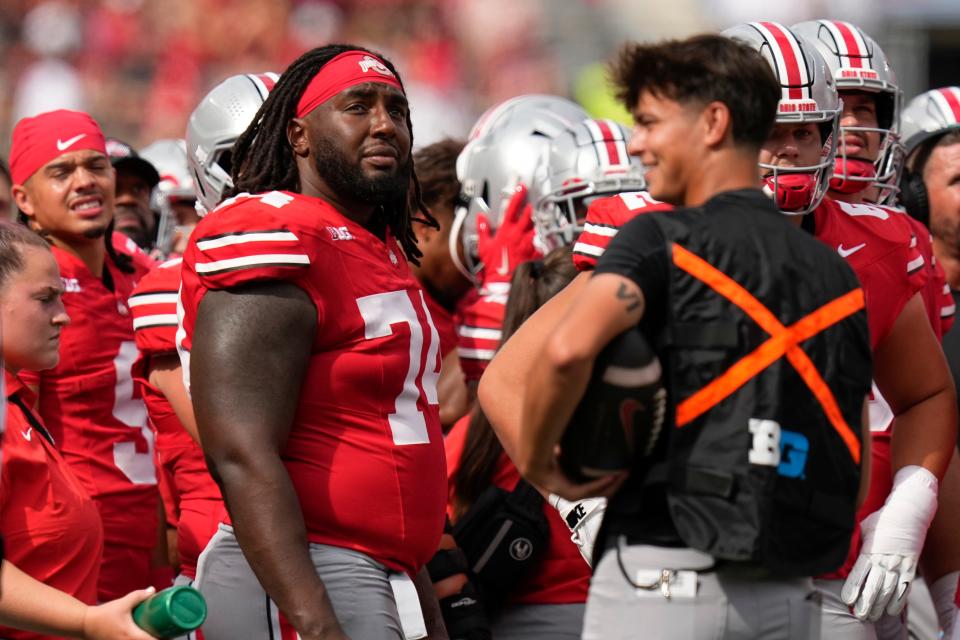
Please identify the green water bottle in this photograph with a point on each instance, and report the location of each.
(172, 612)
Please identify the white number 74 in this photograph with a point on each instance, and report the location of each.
(380, 311)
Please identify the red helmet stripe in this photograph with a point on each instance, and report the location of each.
(951, 95)
(850, 42)
(613, 153)
(790, 63)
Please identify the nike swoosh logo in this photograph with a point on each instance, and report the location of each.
(849, 252)
(28, 434)
(504, 267)
(63, 145)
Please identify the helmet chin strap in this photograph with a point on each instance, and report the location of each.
(793, 192)
(852, 175)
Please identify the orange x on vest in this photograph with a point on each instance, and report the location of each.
(783, 341)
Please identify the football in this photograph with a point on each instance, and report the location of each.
(621, 413)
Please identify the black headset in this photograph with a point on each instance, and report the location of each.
(913, 196)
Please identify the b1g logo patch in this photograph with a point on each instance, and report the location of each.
(777, 447)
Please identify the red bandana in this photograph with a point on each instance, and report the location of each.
(346, 70)
(42, 138)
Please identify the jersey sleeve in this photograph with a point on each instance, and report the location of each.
(605, 217)
(142, 263)
(479, 329)
(153, 305)
(247, 242)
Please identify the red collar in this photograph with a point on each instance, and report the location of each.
(16, 386)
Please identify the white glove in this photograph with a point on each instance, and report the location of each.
(583, 518)
(892, 539)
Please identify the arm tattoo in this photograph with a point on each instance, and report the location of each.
(632, 299)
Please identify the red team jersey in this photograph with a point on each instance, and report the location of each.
(937, 298)
(365, 454)
(480, 314)
(561, 577)
(196, 501)
(604, 219)
(100, 427)
(50, 526)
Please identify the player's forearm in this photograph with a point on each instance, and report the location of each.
(504, 383)
(269, 526)
(925, 434)
(557, 382)
(28, 604)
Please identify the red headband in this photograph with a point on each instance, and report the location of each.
(347, 69)
(42, 138)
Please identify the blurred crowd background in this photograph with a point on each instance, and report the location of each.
(140, 66)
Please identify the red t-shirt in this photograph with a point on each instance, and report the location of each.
(604, 218)
(51, 528)
(89, 401)
(365, 453)
(562, 577)
(195, 498)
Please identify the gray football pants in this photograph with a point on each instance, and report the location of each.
(237, 606)
(538, 621)
(729, 604)
(839, 623)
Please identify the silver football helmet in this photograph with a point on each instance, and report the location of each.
(859, 64)
(214, 126)
(807, 94)
(929, 114)
(587, 161)
(169, 157)
(505, 149)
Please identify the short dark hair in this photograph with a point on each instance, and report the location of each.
(12, 237)
(5, 170)
(437, 171)
(918, 162)
(703, 69)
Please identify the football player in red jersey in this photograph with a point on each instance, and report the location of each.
(493, 229)
(877, 243)
(444, 285)
(193, 503)
(50, 526)
(869, 160)
(312, 366)
(64, 186)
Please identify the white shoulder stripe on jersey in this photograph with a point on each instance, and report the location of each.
(476, 354)
(160, 320)
(152, 298)
(243, 238)
(915, 264)
(588, 249)
(261, 260)
(480, 333)
(946, 312)
(172, 262)
(599, 230)
(946, 289)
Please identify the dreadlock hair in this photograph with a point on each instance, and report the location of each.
(264, 161)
